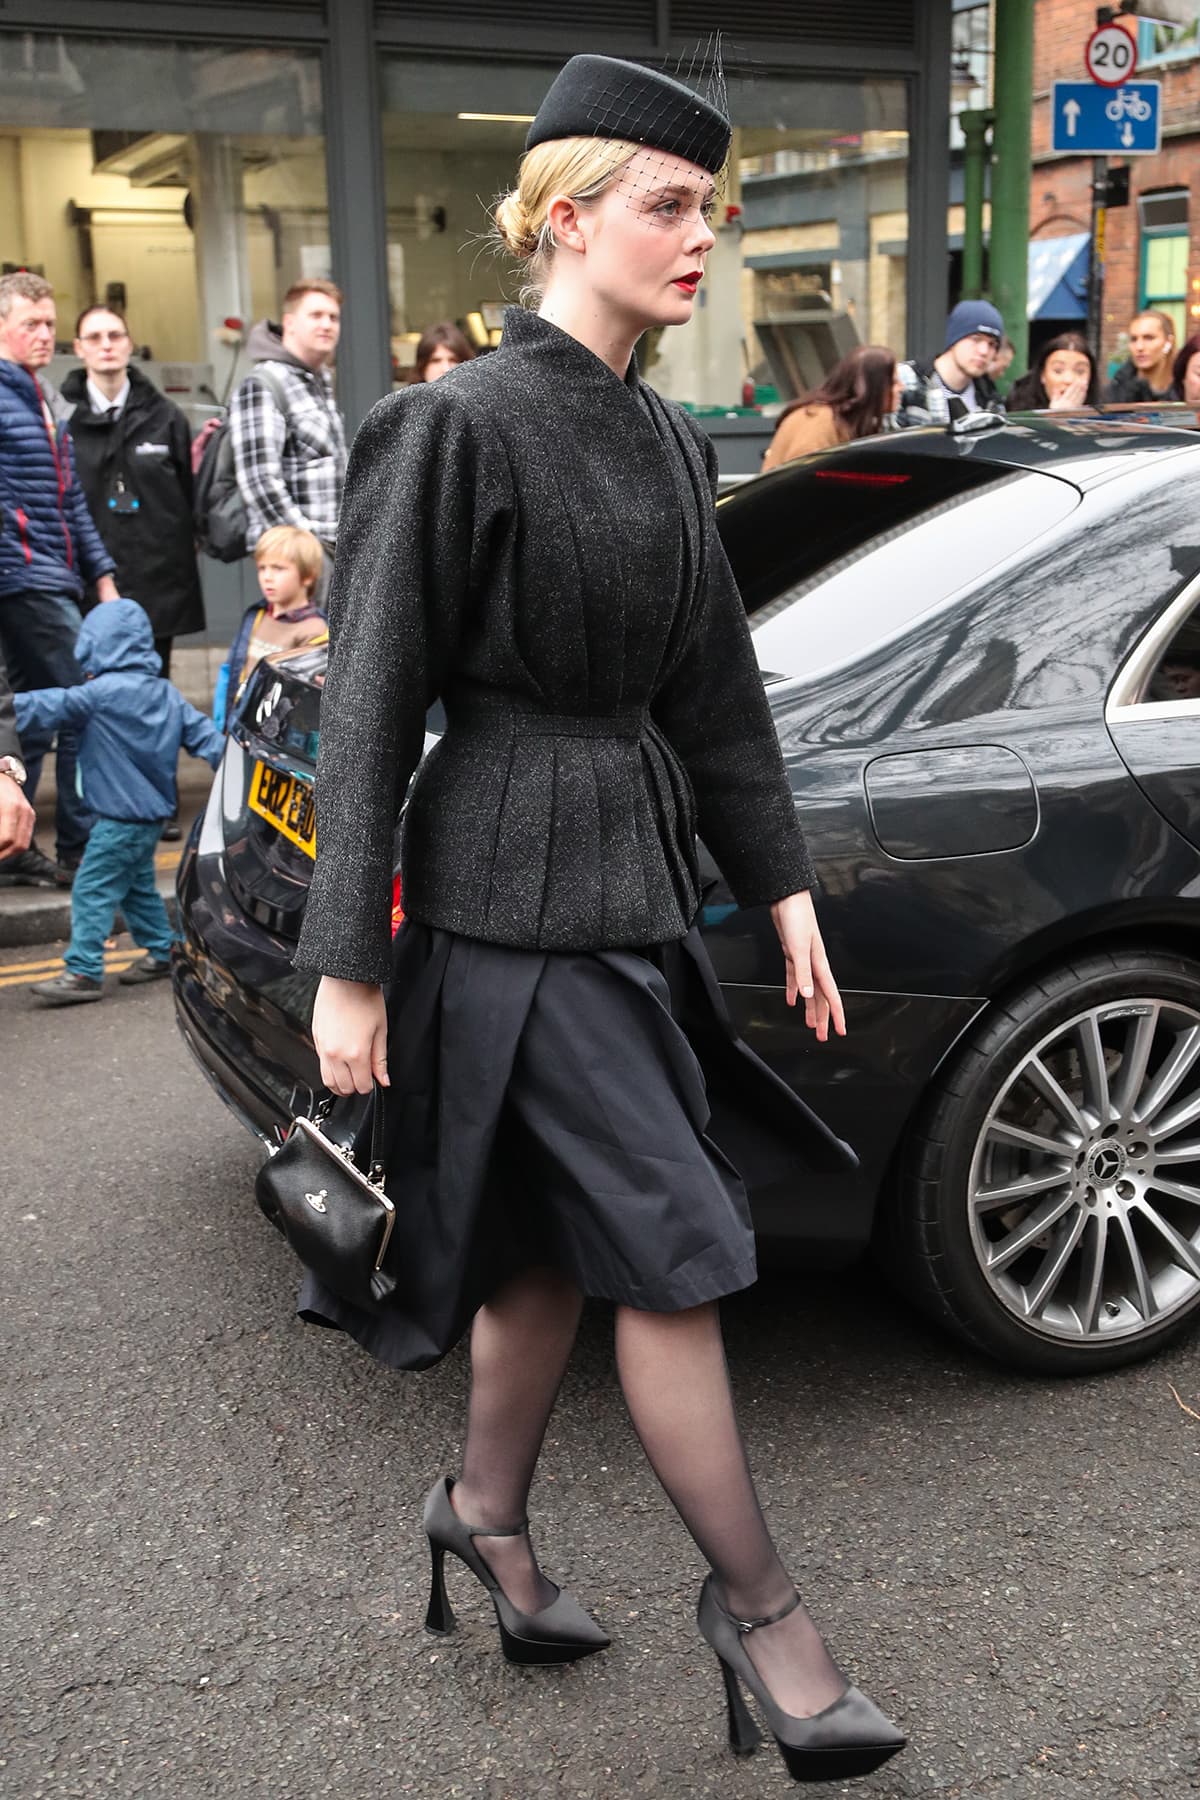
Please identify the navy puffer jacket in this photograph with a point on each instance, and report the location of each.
(47, 538)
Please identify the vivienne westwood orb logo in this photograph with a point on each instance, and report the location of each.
(317, 1200)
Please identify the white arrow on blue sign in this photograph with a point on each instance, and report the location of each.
(1107, 121)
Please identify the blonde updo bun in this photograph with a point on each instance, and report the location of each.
(515, 227)
(579, 167)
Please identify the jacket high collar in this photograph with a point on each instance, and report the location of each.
(529, 336)
(144, 399)
(22, 381)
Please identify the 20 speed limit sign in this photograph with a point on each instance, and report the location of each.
(1110, 57)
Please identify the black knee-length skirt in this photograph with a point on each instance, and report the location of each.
(583, 1110)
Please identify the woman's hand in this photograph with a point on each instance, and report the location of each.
(1070, 396)
(808, 971)
(349, 1027)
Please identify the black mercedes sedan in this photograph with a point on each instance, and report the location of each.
(983, 656)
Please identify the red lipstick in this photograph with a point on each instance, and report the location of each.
(691, 281)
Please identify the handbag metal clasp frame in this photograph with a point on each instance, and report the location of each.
(373, 1182)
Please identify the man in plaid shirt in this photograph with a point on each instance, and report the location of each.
(291, 458)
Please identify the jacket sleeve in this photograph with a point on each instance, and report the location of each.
(412, 547)
(713, 710)
(258, 430)
(10, 743)
(94, 560)
(181, 455)
(200, 737)
(52, 709)
(237, 658)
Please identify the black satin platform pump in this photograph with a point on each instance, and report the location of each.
(851, 1737)
(561, 1633)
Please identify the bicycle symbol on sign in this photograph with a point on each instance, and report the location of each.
(1128, 105)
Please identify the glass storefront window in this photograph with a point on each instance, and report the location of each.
(184, 185)
(812, 231)
(822, 178)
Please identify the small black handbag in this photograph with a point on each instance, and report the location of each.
(337, 1219)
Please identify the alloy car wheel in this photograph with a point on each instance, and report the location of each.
(1050, 1205)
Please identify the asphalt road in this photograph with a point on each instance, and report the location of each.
(213, 1576)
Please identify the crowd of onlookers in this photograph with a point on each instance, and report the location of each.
(99, 526)
(105, 495)
(871, 388)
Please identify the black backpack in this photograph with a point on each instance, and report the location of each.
(218, 510)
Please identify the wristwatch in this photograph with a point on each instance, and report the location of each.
(12, 765)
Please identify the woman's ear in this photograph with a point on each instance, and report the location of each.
(563, 215)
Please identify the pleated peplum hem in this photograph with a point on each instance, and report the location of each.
(557, 1108)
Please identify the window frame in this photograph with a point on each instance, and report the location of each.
(1123, 703)
(1163, 301)
(1173, 52)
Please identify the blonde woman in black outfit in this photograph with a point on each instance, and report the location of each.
(532, 539)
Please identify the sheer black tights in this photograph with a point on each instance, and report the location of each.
(676, 1384)
(520, 1343)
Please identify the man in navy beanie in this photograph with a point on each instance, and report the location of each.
(973, 331)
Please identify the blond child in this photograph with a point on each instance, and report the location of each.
(289, 562)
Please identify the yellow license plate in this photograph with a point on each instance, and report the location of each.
(287, 803)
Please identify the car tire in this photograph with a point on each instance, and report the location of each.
(948, 1231)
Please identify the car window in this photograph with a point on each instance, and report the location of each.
(1176, 674)
(1162, 675)
(912, 566)
(801, 519)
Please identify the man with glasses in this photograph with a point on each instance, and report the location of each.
(49, 551)
(133, 456)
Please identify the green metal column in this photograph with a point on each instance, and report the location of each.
(1012, 169)
(974, 129)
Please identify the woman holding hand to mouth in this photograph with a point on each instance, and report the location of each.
(532, 538)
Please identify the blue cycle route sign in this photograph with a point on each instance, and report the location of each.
(1107, 121)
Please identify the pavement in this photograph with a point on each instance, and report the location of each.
(30, 916)
(214, 1578)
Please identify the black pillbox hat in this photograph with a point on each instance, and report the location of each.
(604, 97)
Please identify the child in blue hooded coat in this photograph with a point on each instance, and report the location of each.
(130, 724)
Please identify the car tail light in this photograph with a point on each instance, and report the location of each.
(397, 903)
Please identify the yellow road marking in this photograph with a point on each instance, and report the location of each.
(32, 980)
(25, 974)
(52, 962)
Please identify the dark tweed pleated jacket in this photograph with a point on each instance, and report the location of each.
(533, 540)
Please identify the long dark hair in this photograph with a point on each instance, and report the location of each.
(1029, 393)
(1180, 367)
(858, 390)
(433, 338)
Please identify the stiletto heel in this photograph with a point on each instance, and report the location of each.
(744, 1735)
(439, 1616)
(851, 1737)
(560, 1633)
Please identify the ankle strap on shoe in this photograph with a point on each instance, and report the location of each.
(747, 1625)
(474, 1531)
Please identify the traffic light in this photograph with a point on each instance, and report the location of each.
(1118, 186)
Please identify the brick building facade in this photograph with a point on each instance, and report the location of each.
(1153, 244)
